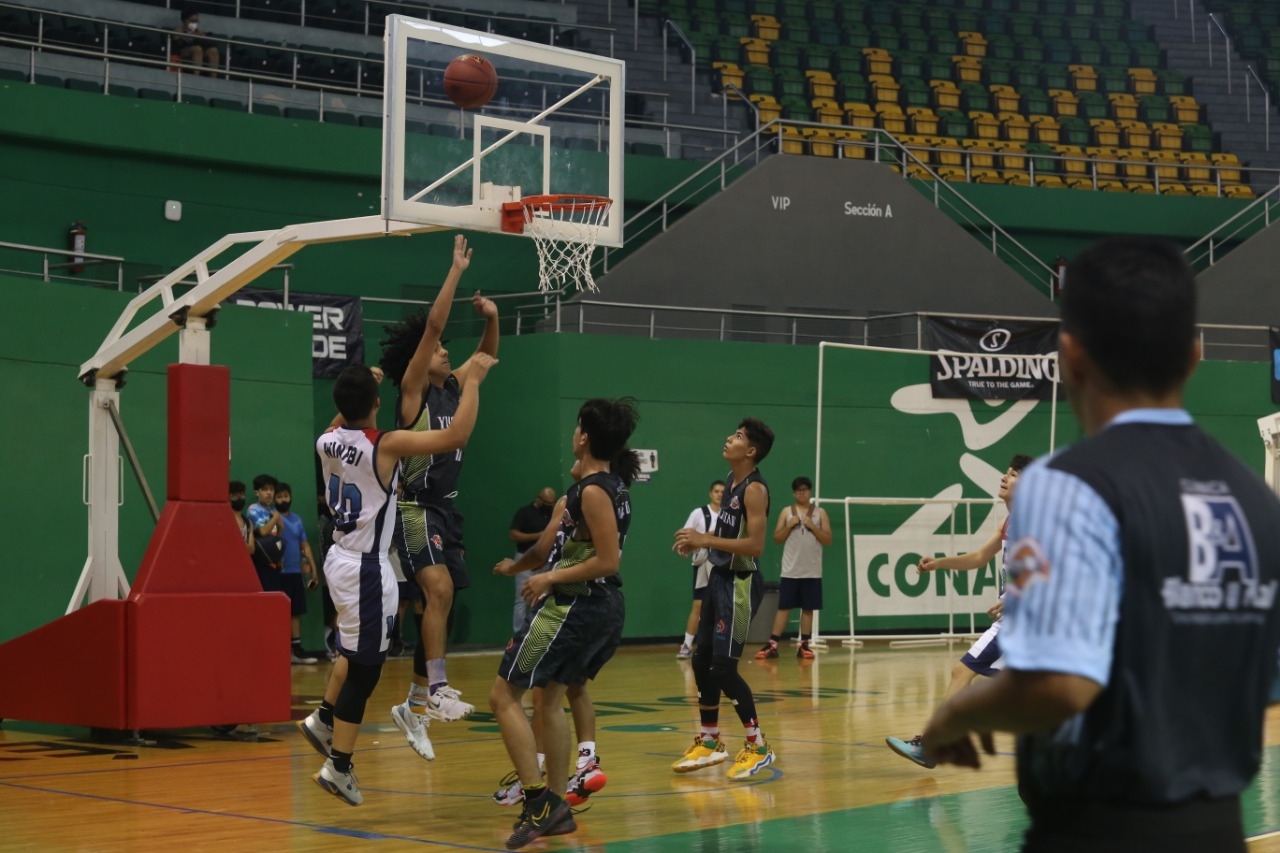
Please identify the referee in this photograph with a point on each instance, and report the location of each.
(1141, 627)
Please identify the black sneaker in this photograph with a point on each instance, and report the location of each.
(546, 814)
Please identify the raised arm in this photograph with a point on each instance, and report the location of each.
(415, 375)
(403, 442)
(966, 562)
(602, 520)
(487, 309)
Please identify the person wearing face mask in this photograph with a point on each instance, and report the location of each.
(235, 493)
(297, 568)
(190, 44)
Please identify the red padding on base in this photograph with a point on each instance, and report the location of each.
(199, 432)
(69, 672)
(207, 660)
(196, 547)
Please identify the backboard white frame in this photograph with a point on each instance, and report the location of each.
(400, 30)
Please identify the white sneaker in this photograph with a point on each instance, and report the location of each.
(345, 786)
(317, 733)
(686, 652)
(444, 705)
(294, 657)
(414, 726)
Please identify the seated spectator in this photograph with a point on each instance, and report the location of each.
(191, 46)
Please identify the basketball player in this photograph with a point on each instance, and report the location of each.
(578, 623)
(733, 596)
(984, 656)
(429, 528)
(702, 520)
(1140, 626)
(359, 465)
(803, 530)
(588, 777)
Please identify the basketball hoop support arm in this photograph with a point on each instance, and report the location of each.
(510, 135)
(191, 313)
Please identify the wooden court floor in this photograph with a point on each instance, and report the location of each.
(834, 787)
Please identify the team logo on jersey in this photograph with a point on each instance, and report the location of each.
(1222, 560)
(733, 502)
(1026, 565)
(511, 644)
(435, 540)
(720, 627)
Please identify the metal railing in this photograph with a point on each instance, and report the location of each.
(1211, 24)
(1244, 224)
(1266, 104)
(80, 259)
(693, 61)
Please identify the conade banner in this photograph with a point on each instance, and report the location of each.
(972, 360)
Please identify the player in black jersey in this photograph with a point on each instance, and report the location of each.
(733, 596)
(578, 623)
(429, 526)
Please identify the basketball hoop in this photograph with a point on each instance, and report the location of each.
(564, 229)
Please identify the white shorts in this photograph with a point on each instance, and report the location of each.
(984, 656)
(364, 592)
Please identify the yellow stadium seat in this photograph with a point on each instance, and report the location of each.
(1017, 179)
(821, 141)
(951, 174)
(975, 44)
(754, 51)
(1168, 136)
(1144, 187)
(1204, 190)
(1083, 78)
(766, 27)
(947, 151)
(1105, 131)
(792, 140)
(730, 73)
(1185, 109)
(859, 115)
(878, 60)
(1167, 166)
(851, 144)
(827, 110)
(1012, 159)
(1045, 129)
(770, 109)
(1173, 188)
(1112, 186)
(1081, 183)
(1225, 164)
(1238, 191)
(981, 153)
(884, 88)
(1195, 168)
(945, 94)
(1142, 81)
(1006, 98)
(923, 121)
(985, 125)
(1074, 162)
(1104, 161)
(1065, 103)
(1136, 166)
(821, 84)
(1135, 134)
(967, 69)
(1123, 106)
(985, 176)
(890, 117)
(1052, 182)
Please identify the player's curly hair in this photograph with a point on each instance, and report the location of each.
(400, 344)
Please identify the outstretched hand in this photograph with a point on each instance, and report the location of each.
(484, 306)
(478, 367)
(461, 254)
(504, 567)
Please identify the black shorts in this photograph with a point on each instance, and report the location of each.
(291, 584)
(732, 600)
(805, 593)
(410, 591)
(568, 641)
(431, 536)
(699, 592)
(268, 578)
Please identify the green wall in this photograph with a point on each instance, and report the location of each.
(49, 330)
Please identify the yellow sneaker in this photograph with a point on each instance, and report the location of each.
(753, 758)
(702, 753)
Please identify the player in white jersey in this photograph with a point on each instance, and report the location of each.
(359, 466)
(984, 656)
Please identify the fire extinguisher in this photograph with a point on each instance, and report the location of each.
(1059, 275)
(75, 242)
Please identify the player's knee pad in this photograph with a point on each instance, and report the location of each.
(362, 678)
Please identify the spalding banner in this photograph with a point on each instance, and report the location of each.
(337, 324)
(972, 361)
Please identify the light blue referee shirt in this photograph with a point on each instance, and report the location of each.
(1065, 570)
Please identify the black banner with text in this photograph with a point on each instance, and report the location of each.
(337, 325)
(973, 360)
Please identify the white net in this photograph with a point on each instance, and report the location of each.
(565, 250)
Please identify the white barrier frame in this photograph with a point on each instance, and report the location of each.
(912, 639)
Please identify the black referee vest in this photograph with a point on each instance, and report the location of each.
(1196, 643)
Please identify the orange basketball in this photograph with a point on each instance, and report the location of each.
(470, 81)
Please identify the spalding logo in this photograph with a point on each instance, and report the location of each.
(995, 340)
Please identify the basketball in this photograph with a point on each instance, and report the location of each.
(470, 81)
